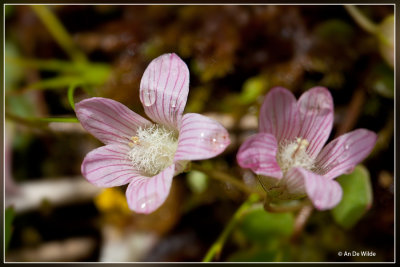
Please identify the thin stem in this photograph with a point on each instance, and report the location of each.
(71, 91)
(353, 112)
(49, 65)
(283, 208)
(54, 119)
(35, 120)
(361, 19)
(59, 33)
(58, 82)
(301, 220)
(221, 176)
(216, 248)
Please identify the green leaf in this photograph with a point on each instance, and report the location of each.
(357, 197)
(9, 216)
(71, 91)
(261, 226)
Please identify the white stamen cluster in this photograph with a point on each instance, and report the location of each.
(153, 149)
(293, 154)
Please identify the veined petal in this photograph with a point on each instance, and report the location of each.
(108, 120)
(345, 152)
(180, 166)
(279, 115)
(164, 89)
(200, 138)
(258, 153)
(146, 194)
(316, 118)
(108, 166)
(324, 193)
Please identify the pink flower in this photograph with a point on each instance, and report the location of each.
(288, 153)
(144, 154)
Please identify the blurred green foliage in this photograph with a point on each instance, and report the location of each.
(357, 197)
(335, 30)
(381, 80)
(262, 227)
(263, 236)
(197, 181)
(8, 229)
(252, 89)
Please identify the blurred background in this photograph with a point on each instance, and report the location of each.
(235, 54)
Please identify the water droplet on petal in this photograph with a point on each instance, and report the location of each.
(346, 146)
(145, 202)
(148, 97)
(219, 141)
(173, 103)
(345, 153)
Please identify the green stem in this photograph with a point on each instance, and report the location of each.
(58, 82)
(35, 120)
(59, 33)
(283, 208)
(361, 19)
(276, 208)
(54, 119)
(216, 248)
(221, 176)
(49, 65)
(71, 91)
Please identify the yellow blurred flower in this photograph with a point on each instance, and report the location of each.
(112, 200)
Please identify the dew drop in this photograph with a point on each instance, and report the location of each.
(215, 140)
(345, 152)
(149, 97)
(173, 103)
(147, 201)
(219, 141)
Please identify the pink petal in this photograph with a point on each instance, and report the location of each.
(164, 89)
(146, 194)
(180, 166)
(108, 166)
(345, 152)
(279, 115)
(200, 138)
(316, 115)
(258, 153)
(108, 120)
(324, 193)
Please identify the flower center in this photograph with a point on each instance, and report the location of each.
(293, 154)
(153, 149)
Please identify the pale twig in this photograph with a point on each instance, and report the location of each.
(362, 21)
(352, 113)
(301, 220)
